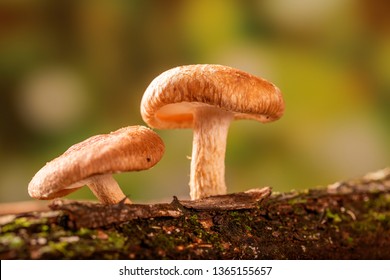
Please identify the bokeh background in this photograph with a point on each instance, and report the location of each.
(70, 69)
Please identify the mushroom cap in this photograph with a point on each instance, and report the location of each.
(131, 148)
(171, 98)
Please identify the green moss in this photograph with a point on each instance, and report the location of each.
(165, 242)
(82, 232)
(234, 214)
(39, 225)
(380, 202)
(364, 226)
(43, 234)
(297, 200)
(58, 246)
(45, 228)
(116, 239)
(383, 200)
(349, 240)
(380, 216)
(11, 240)
(240, 217)
(333, 216)
(83, 248)
(193, 219)
(23, 222)
(16, 224)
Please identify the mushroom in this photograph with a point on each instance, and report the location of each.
(207, 98)
(93, 161)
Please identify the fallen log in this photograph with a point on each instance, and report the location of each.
(345, 220)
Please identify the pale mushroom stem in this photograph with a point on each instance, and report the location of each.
(210, 130)
(106, 189)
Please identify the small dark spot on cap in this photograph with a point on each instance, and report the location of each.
(148, 159)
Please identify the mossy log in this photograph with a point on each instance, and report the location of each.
(345, 220)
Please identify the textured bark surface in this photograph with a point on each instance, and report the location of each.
(346, 220)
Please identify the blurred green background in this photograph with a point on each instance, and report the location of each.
(70, 69)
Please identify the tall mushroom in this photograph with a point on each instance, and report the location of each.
(207, 98)
(93, 161)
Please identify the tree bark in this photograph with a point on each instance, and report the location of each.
(345, 220)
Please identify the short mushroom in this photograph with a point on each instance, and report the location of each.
(207, 98)
(93, 161)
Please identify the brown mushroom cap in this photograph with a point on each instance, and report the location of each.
(170, 99)
(131, 148)
(207, 98)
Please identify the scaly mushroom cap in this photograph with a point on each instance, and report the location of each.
(170, 99)
(131, 148)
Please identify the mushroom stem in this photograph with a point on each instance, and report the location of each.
(106, 189)
(210, 128)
